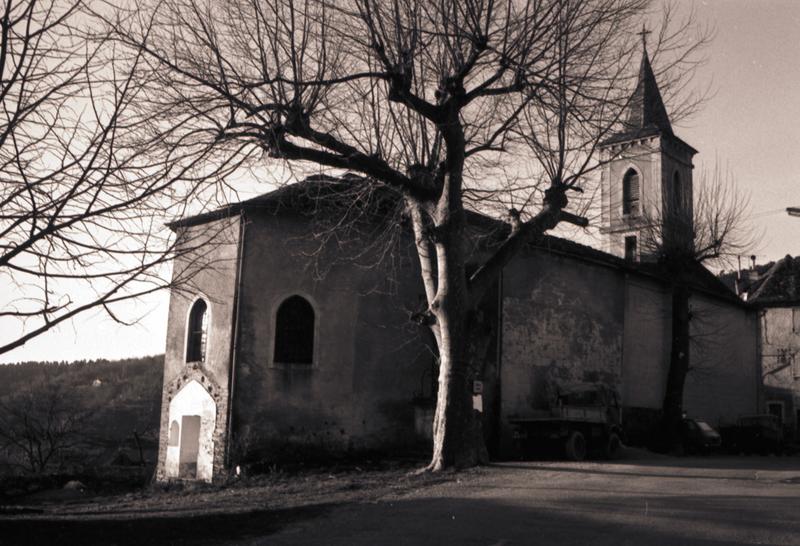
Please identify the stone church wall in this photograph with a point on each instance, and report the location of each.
(646, 348)
(209, 273)
(563, 322)
(645, 158)
(368, 359)
(565, 319)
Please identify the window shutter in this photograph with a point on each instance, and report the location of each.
(630, 193)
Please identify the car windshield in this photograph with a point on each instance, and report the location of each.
(704, 426)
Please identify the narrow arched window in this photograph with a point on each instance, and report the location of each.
(198, 332)
(174, 434)
(294, 332)
(677, 192)
(630, 193)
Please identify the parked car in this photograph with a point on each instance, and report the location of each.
(699, 437)
(755, 434)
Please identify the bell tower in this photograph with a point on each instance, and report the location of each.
(646, 171)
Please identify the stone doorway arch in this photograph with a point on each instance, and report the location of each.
(193, 416)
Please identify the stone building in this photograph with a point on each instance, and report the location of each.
(646, 169)
(293, 338)
(775, 292)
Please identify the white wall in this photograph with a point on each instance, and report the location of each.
(193, 399)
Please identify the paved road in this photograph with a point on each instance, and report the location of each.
(643, 501)
(704, 501)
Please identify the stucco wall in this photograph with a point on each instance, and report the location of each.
(210, 273)
(368, 360)
(566, 319)
(562, 323)
(645, 158)
(656, 159)
(676, 158)
(647, 343)
(724, 380)
(780, 360)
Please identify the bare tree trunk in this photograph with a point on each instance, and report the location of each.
(678, 366)
(457, 440)
(457, 432)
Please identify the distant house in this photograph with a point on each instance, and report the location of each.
(279, 348)
(775, 292)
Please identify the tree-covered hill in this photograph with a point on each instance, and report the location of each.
(87, 412)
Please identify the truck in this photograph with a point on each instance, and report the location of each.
(581, 419)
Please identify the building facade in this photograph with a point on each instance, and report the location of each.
(775, 293)
(290, 339)
(647, 170)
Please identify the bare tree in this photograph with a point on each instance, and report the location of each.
(81, 206)
(682, 235)
(446, 103)
(39, 426)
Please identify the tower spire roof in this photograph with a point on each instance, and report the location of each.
(646, 108)
(645, 114)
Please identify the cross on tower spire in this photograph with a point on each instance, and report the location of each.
(644, 34)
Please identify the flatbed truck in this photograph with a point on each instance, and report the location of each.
(581, 421)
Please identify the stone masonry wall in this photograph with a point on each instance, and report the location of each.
(562, 323)
(210, 273)
(369, 362)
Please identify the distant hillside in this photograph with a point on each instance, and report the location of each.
(131, 378)
(101, 408)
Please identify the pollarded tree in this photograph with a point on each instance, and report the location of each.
(685, 234)
(446, 103)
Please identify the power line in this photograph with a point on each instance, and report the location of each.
(767, 213)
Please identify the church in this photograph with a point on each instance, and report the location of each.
(279, 350)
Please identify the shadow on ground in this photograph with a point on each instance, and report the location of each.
(155, 530)
(703, 520)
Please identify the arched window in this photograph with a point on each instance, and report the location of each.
(174, 434)
(630, 193)
(677, 192)
(294, 332)
(198, 332)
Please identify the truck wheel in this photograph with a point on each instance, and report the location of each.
(613, 446)
(575, 447)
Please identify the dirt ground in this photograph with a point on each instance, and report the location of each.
(640, 500)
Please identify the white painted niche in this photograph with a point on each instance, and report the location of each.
(190, 447)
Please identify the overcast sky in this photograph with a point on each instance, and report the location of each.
(751, 125)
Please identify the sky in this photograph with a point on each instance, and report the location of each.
(750, 125)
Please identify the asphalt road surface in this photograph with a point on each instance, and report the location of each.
(648, 502)
(704, 501)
